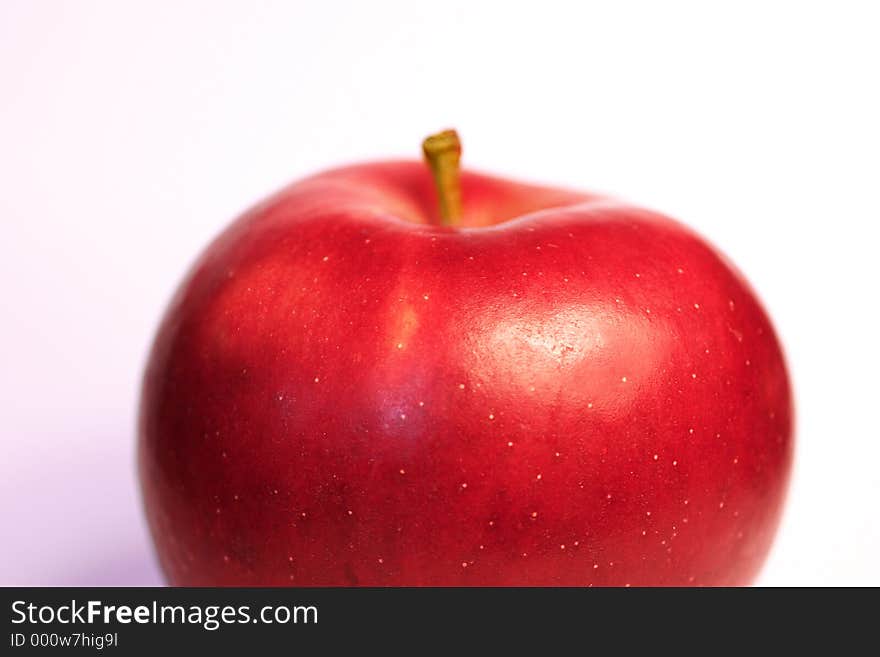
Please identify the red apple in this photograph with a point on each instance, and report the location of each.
(560, 389)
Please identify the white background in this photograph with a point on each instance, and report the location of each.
(130, 133)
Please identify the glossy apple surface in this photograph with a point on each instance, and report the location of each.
(565, 390)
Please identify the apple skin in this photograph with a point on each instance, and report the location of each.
(565, 390)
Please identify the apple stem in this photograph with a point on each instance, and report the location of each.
(443, 154)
